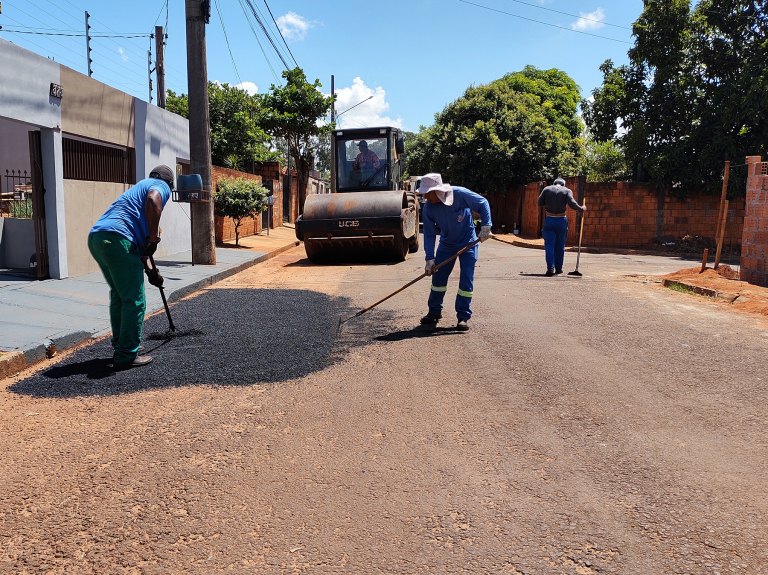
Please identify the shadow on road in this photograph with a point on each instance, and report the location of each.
(225, 337)
(419, 332)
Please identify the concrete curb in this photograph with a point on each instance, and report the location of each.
(182, 292)
(708, 292)
(14, 362)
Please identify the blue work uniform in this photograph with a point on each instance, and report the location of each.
(457, 229)
(554, 200)
(115, 242)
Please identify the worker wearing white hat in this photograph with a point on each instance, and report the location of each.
(449, 210)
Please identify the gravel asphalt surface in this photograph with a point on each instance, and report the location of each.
(583, 426)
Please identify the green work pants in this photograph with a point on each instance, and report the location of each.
(121, 265)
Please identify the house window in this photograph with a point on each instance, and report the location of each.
(98, 163)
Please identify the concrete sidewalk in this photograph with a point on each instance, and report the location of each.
(40, 318)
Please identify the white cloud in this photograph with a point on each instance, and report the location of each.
(590, 20)
(123, 55)
(293, 26)
(371, 112)
(249, 87)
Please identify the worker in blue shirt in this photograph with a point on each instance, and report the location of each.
(120, 241)
(449, 210)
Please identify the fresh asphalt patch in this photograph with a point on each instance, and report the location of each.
(223, 337)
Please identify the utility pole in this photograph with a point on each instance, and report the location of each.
(333, 152)
(160, 65)
(88, 42)
(203, 239)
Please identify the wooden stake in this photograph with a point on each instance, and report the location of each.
(722, 213)
(720, 239)
(704, 259)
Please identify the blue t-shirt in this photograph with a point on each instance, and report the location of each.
(126, 215)
(457, 227)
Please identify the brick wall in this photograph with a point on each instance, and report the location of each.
(754, 250)
(632, 215)
(224, 228)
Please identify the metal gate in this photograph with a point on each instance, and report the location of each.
(38, 205)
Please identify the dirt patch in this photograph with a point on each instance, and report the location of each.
(746, 297)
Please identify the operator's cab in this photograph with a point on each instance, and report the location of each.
(367, 159)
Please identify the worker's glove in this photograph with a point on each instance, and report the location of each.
(429, 268)
(155, 278)
(150, 247)
(485, 233)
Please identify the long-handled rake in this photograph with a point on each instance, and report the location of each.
(576, 272)
(409, 284)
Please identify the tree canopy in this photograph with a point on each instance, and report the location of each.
(516, 129)
(293, 112)
(693, 93)
(237, 140)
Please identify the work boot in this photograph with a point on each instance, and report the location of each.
(462, 325)
(550, 272)
(430, 320)
(138, 361)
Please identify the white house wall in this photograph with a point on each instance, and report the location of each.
(166, 141)
(25, 82)
(91, 110)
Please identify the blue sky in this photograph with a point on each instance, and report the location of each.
(413, 56)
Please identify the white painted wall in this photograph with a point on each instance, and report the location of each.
(165, 138)
(14, 154)
(25, 80)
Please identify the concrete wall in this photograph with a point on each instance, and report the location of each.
(17, 242)
(84, 203)
(94, 110)
(25, 80)
(163, 138)
(14, 155)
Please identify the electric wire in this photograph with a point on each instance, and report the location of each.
(573, 15)
(258, 41)
(137, 68)
(544, 23)
(271, 40)
(105, 58)
(281, 34)
(226, 40)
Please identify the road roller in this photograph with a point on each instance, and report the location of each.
(366, 217)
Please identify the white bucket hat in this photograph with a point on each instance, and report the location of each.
(434, 182)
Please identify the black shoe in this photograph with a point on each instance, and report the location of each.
(557, 272)
(550, 273)
(462, 325)
(430, 320)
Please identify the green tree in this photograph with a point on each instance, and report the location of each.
(516, 129)
(605, 162)
(692, 94)
(293, 112)
(236, 138)
(239, 198)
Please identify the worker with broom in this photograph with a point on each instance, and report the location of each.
(449, 210)
(120, 242)
(554, 200)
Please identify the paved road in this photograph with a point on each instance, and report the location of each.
(593, 425)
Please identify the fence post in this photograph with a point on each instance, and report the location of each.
(723, 214)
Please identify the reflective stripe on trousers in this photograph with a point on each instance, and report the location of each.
(467, 262)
